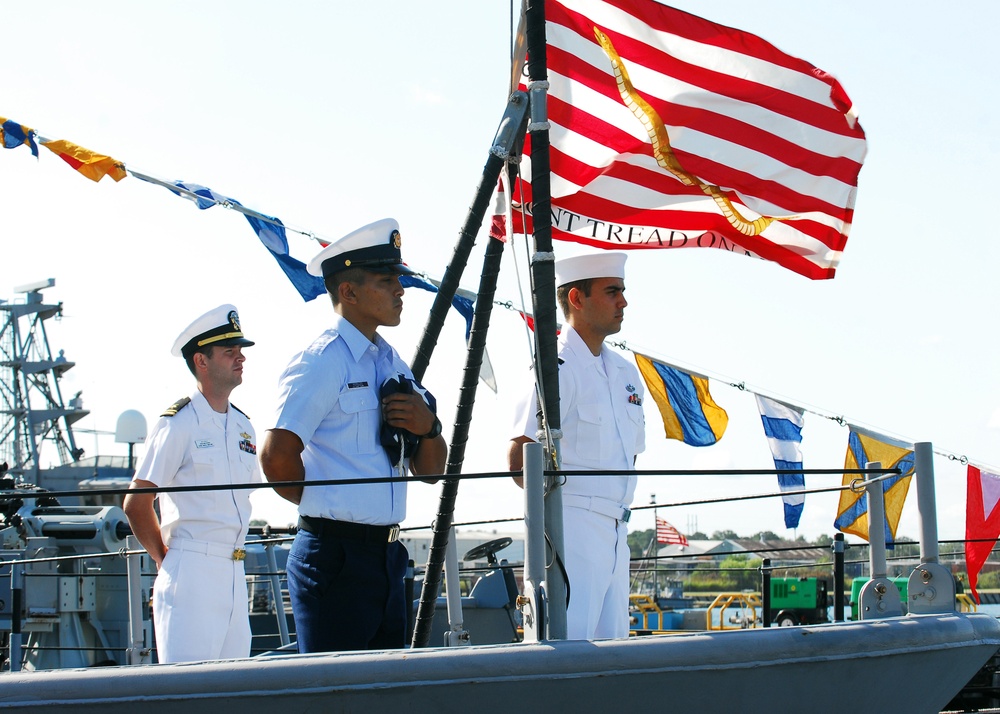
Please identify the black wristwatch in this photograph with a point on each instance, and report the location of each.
(435, 430)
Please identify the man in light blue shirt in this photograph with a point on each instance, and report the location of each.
(350, 409)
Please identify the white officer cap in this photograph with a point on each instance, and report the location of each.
(220, 326)
(605, 264)
(373, 247)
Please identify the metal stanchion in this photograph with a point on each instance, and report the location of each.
(137, 652)
(532, 603)
(765, 590)
(279, 601)
(879, 597)
(838, 577)
(16, 600)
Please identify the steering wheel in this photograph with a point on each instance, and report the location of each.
(488, 550)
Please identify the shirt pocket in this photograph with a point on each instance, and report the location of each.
(206, 463)
(209, 470)
(247, 468)
(362, 409)
(589, 436)
(635, 429)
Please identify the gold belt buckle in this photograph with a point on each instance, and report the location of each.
(393, 534)
(239, 554)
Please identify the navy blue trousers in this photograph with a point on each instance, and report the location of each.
(347, 594)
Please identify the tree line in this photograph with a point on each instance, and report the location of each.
(639, 541)
(742, 570)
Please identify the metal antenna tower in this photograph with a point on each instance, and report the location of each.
(33, 416)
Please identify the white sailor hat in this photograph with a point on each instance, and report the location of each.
(605, 264)
(220, 326)
(373, 247)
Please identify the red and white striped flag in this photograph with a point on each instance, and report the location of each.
(670, 131)
(529, 319)
(498, 226)
(666, 533)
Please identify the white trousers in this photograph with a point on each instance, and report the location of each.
(597, 562)
(200, 608)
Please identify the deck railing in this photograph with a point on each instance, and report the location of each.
(137, 646)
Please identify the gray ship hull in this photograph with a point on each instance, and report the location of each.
(908, 664)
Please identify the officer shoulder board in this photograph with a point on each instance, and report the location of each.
(176, 407)
(239, 410)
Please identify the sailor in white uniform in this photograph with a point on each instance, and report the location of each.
(200, 593)
(600, 398)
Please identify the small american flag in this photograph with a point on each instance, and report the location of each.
(666, 533)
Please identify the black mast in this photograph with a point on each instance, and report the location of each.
(509, 136)
(544, 302)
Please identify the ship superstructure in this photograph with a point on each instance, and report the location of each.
(67, 602)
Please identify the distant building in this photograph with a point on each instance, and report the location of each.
(683, 559)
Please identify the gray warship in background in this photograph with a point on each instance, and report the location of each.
(76, 613)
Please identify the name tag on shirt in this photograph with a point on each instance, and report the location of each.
(357, 385)
(203, 444)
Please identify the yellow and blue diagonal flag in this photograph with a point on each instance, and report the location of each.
(688, 410)
(862, 448)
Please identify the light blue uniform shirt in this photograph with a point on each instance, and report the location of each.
(329, 398)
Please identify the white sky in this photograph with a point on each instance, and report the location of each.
(329, 115)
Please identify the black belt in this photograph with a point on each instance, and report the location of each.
(321, 527)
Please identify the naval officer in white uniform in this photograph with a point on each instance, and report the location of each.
(200, 593)
(600, 399)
